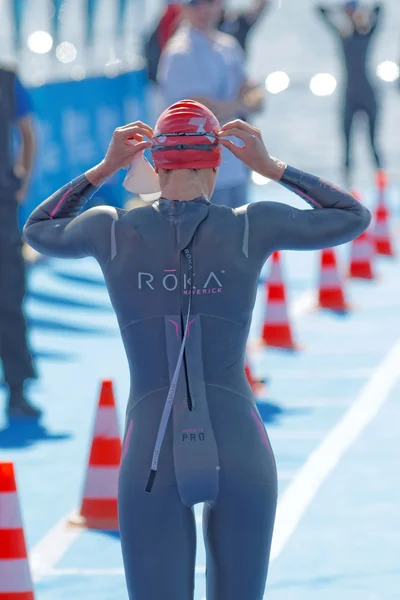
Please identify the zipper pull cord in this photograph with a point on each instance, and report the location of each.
(171, 395)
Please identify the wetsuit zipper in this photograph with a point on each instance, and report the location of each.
(185, 369)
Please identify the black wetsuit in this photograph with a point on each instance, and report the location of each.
(360, 95)
(191, 266)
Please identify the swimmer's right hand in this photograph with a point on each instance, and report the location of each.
(125, 143)
(253, 153)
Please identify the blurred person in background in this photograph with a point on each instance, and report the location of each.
(204, 64)
(158, 38)
(239, 24)
(15, 171)
(355, 26)
(163, 31)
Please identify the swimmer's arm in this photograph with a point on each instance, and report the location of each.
(337, 217)
(377, 11)
(326, 14)
(56, 227)
(376, 15)
(253, 14)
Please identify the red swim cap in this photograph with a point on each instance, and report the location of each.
(185, 137)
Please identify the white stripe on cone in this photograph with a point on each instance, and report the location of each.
(101, 483)
(15, 576)
(276, 312)
(361, 250)
(106, 424)
(10, 515)
(329, 278)
(382, 229)
(275, 275)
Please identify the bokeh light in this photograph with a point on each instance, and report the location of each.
(323, 84)
(259, 179)
(66, 52)
(388, 71)
(40, 42)
(277, 82)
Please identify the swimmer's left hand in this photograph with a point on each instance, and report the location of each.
(253, 153)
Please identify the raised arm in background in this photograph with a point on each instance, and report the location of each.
(255, 12)
(326, 13)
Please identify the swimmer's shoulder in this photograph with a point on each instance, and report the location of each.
(228, 219)
(226, 212)
(253, 209)
(267, 212)
(259, 208)
(103, 217)
(138, 214)
(100, 216)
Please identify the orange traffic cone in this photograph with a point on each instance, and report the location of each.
(331, 293)
(361, 253)
(257, 385)
(382, 238)
(99, 508)
(382, 179)
(276, 330)
(15, 576)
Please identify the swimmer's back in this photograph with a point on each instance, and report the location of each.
(142, 257)
(150, 288)
(141, 253)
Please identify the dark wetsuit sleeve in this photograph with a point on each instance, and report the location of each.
(375, 16)
(56, 228)
(337, 217)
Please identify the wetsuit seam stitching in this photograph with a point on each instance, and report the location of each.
(141, 320)
(164, 387)
(220, 318)
(228, 390)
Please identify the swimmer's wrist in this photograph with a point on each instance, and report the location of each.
(274, 169)
(100, 174)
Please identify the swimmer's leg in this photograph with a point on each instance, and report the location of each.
(238, 526)
(158, 533)
(348, 118)
(238, 534)
(372, 114)
(158, 538)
